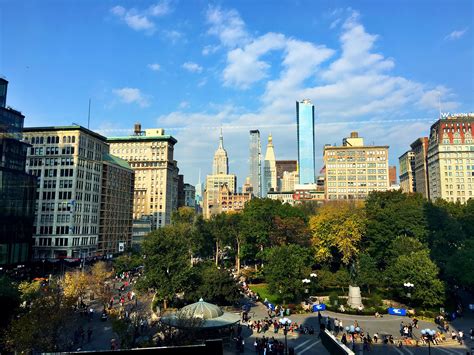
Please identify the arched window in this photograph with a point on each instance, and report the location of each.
(74, 139)
(64, 139)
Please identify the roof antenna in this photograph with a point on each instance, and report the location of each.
(89, 115)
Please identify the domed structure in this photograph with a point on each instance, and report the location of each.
(202, 310)
(211, 314)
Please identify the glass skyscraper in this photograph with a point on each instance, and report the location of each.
(255, 162)
(305, 130)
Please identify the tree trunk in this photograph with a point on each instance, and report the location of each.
(237, 257)
(217, 253)
(165, 303)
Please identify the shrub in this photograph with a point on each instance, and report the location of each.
(334, 299)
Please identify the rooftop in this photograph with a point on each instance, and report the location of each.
(142, 138)
(64, 128)
(116, 161)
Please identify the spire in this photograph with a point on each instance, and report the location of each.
(270, 139)
(221, 141)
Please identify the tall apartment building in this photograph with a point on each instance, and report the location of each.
(68, 162)
(17, 188)
(255, 162)
(150, 155)
(420, 149)
(407, 170)
(305, 136)
(353, 170)
(451, 158)
(270, 182)
(116, 206)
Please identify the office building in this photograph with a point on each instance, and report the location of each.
(150, 154)
(68, 161)
(305, 135)
(392, 175)
(189, 195)
(116, 206)
(288, 181)
(451, 158)
(420, 148)
(220, 165)
(17, 188)
(270, 182)
(255, 162)
(353, 170)
(407, 169)
(181, 197)
(283, 166)
(229, 201)
(215, 181)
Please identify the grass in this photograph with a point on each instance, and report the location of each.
(263, 292)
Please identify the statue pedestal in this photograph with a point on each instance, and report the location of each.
(355, 299)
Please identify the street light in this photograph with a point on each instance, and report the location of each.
(285, 323)
(306, 282)
(428, 334)
(409, 286)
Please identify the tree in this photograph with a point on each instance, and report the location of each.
(214, 285)
(75, 285)
(286, 266)
(368, 274)
(46, 324)
(9, 300)
(290, 230)
(459, 268)
(418, 269)
(128, 261)
(390, 214)
(337, 230)
(167, 266)
(99, 276)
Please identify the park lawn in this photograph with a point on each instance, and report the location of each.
(263, 292)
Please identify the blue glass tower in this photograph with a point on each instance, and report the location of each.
(305, 129)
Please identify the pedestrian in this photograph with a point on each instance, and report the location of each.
(344, 339)
(376, 337)
(89, 334)
(460, 337)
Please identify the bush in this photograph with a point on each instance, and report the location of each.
(374, 300)
(334, 299)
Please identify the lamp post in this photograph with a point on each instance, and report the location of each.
(306, 283)
(285, 323)
(409, 286)
(428, 334)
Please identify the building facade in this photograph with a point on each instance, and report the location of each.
(255, 162)
(451, 158)
(305, 135)
(230, 201)
(270, 182)
(140, 229)
(288, 181)
(420, 148)
(17, 188)
(354, 170)
(116, 206)
(68, 162)
(189, 195)
(150, 154)
(407, 168)
(220, 165)
(211, 194)
(392, 175)
(283, 166)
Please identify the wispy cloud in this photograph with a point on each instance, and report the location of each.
(192, 67)
(154, 66)
(132, 95)
(456, 35)
(142, 20)
(173, 35)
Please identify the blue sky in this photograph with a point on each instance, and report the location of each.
(192, 67)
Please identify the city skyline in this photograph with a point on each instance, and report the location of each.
(363, 76)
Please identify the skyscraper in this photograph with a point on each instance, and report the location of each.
(255, 160)
(305, 130)
(269, 173)
(221, 162)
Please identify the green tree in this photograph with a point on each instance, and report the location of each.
(459, 268)
(390, 214)
(420, 270)
(290, 230)
(9, 300)
(214, 285)
(285, 268)
(338, 229)
(166, 253)
(127, 262)
(368, 275)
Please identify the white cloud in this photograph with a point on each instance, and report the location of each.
(132, 95)
(209, 49)
(173, 35)
(192, 67)
(141, 20)
(456, 34)
(154, 66)
(353, 87)
(227, 25)
(183, 104)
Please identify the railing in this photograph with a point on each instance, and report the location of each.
(334, 346)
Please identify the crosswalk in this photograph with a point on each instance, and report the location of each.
(307, 346)
(434, 350)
